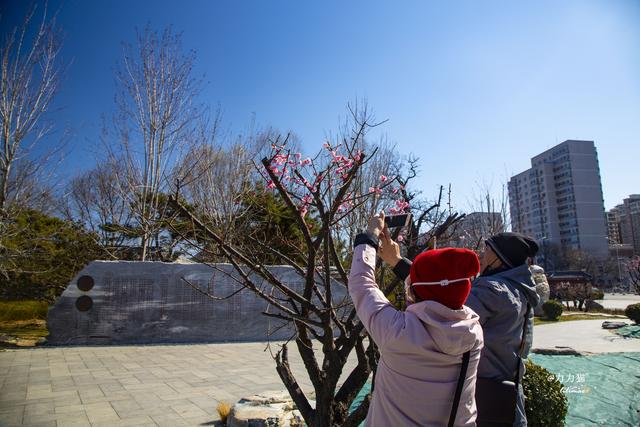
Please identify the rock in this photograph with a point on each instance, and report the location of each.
(558, 351)
(131, 302)
(542, 288)
(183, 260)
(8, 341)
(608, 324)
(17, 342)
(593, 305)
(267, 409)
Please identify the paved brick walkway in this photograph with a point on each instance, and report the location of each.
(133, 385)
(584, 336)
(174, 385)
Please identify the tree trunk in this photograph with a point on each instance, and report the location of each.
(4, 189)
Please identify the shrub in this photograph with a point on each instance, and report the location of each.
(40, 254)
(597, 294)
(633, 312)
(546, 404)
(552, 309)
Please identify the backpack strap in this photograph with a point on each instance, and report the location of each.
(522, 341)
(461, 378)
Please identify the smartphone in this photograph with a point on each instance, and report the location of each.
(394, 221)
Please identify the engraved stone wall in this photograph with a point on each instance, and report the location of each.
(127, 302)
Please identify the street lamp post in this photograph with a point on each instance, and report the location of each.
(617, 245)
(618, 262)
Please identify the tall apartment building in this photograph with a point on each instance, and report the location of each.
(624, 223)
(613, 227)
(559, 201)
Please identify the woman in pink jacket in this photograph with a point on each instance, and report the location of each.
(429, 353)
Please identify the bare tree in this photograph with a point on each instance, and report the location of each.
(488, 215)
(30, 75)
(322, 193)
(33, 182)
(94, 199)
(156, 118)
(217, 172)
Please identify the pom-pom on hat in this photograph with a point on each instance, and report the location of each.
(444, 275)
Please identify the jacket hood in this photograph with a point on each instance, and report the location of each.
(521, 278)
(453, 331)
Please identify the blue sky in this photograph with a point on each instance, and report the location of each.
(475, 89)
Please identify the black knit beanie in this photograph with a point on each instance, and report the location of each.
(513, 249)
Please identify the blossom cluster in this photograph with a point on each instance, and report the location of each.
(302, 180)
(402, 206)
(284, 165)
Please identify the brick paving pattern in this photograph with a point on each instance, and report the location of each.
(158, 385)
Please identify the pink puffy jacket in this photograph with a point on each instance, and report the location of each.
(420, 353)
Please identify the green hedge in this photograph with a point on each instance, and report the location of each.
(545, 405)
(552, 309)
(633, 312)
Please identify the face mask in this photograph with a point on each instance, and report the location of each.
(489, 268)
(408, 289)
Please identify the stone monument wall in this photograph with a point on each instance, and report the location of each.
(124, 302)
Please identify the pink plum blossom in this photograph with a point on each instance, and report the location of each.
(402, 205)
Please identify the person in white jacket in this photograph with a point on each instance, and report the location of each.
(422, 349)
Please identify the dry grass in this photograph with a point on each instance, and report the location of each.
(570, 317)
(23, 310)
(224, 409)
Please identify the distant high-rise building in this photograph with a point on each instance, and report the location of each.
(613, 227)
(559, 201)
(624, 223)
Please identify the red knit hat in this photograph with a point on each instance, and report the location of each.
(443, 275)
